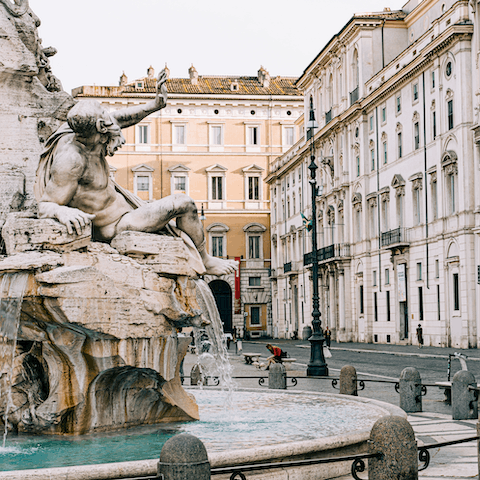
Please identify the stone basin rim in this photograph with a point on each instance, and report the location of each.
(118, 470)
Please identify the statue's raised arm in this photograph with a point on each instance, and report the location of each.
(132, 115)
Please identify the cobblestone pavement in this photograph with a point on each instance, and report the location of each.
(433, 426)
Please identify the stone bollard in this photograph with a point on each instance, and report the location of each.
(394, 438)
(348, 381)
(410, 389)
(184, 457)
(464, 403)
(277, 376)
(196, 376)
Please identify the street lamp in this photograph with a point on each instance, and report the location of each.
(317, 365)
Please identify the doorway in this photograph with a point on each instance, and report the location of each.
(223, 297)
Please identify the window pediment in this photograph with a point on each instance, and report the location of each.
(398, 181)
(143, 168)
(252, 169)
(218, 227)
(357, 198)
(179, 169)
(254, 228)
(449, 157)
(216, 168)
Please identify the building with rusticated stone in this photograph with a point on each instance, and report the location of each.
(395, 95)
(214, 141)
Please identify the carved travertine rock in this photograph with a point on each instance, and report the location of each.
(23, 232)
(164, 254)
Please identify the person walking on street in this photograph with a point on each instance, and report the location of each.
(328, 336)
(420, 335)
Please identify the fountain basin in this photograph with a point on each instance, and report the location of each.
(295, 434)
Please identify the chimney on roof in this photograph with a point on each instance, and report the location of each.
(192, 71)
(150, 72)
(263, 77)
(387, 9)
(123, 80)
(167, 70)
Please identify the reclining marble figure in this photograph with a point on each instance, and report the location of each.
(74, 186)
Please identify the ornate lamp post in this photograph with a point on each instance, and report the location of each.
(317, 365)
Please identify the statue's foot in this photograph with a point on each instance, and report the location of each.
(218, 266)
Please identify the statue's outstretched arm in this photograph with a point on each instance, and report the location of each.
(132, 115)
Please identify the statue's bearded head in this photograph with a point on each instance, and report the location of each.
(88, 118)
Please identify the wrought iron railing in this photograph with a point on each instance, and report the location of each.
(325, 253)
(398, 235)
(353, 96)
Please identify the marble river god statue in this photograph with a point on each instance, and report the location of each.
(93, 282)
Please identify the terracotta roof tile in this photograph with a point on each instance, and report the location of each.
(220, 86)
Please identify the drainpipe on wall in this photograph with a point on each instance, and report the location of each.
(425, 176)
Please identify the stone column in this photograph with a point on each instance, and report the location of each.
(331, 300)
(184, 457)
(348, 381)
(410, 390)
(394, 438)
(464, 404)
(277, 377)
(341, 300)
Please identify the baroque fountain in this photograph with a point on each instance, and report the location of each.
(88, 328)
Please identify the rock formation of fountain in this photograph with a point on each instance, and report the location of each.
(96, 346)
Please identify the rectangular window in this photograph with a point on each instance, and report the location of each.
(179, 135)
(289, 135)
(358, 166)
(180, 184)
(374, 278)
(253, 188)
(437, 269)
(450, 114)
(371, 123)
(254, 315)
(217, 188)
(456, 293)
(416, 130)
(254, 281)
(415, 92)
(253, 137)
(387, 276)
(434, 124)
(384, 114)
(375, 305)
(399, 104)
(420, 303)
(142, 134)
(438, 302)
(361, 300)
(389, 312)
(254, 246)
(388, 339)
(217, 246)
(216, 132)
(434, 200)
(384, 153)
(433, 79)
(143, 184)
(372, 158)
(399, 139)
(451, 192)
(419, 271)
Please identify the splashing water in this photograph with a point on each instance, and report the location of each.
(211, 344)
(12, 289)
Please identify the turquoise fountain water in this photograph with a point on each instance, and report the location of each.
(256, 419)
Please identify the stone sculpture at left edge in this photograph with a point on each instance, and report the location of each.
(97, 347)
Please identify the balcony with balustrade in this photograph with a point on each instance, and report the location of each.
(330, 253)
(396, 239)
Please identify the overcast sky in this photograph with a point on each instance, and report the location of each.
(99, 39)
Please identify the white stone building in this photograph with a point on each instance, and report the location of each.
(398, 214)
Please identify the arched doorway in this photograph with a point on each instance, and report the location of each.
(223, 296)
